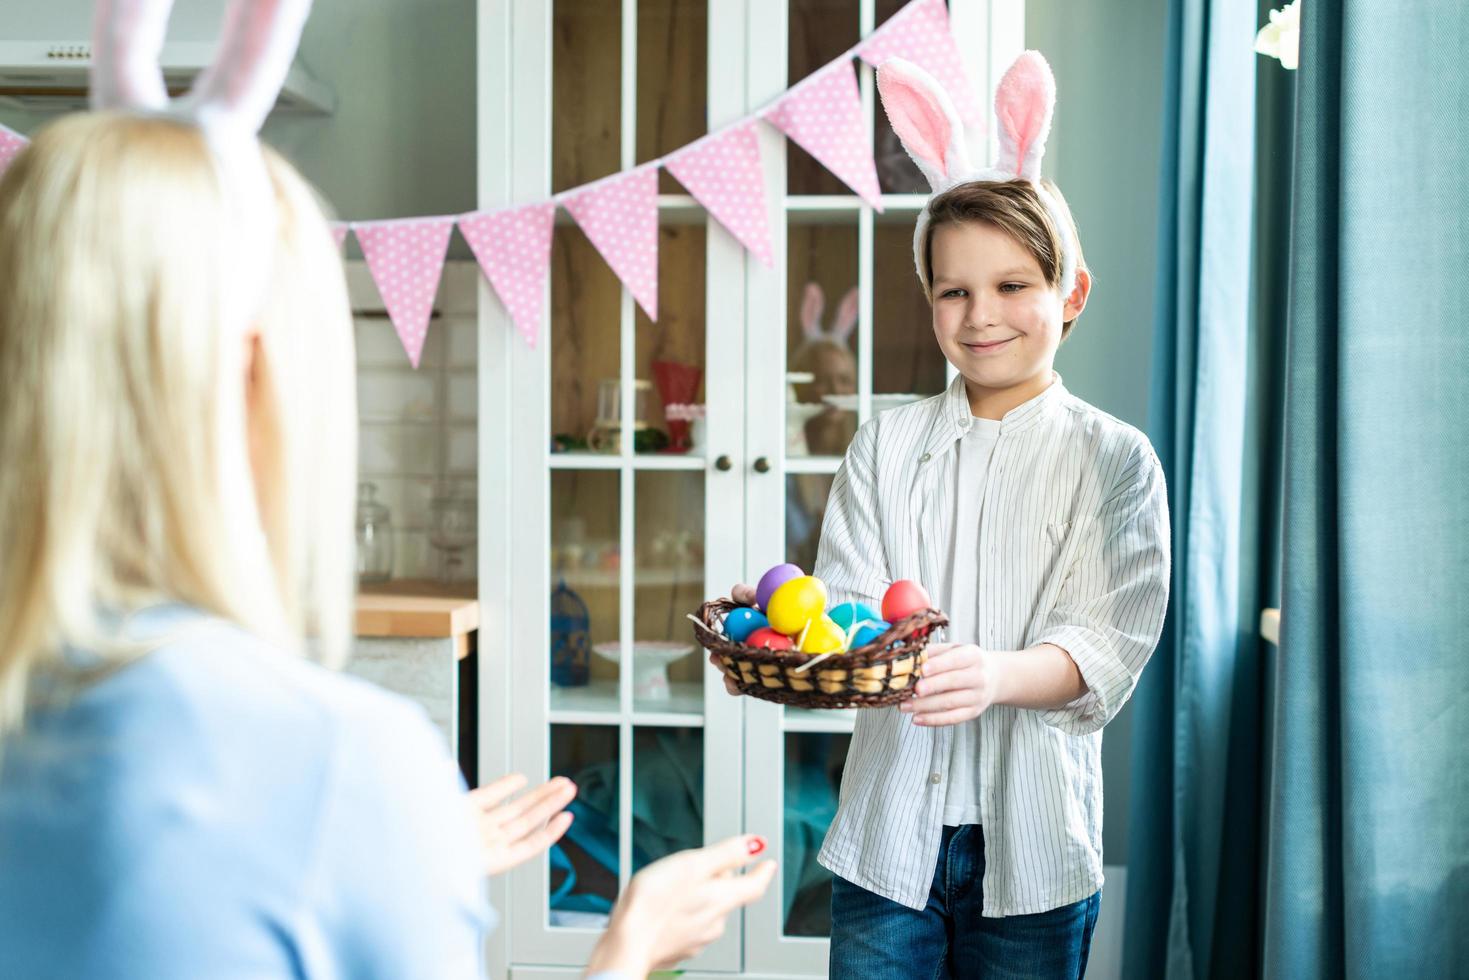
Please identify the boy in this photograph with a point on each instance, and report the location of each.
(968, 837)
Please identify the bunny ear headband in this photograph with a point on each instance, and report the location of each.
(925, 120)
(228, 102)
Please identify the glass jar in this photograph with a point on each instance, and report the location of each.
(374, 536)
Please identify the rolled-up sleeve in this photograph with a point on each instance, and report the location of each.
(1109, 614)
(851, 559)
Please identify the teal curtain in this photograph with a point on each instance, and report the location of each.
(1196, 787)
(1368, 866)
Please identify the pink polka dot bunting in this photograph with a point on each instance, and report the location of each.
(514, 250)
(824, 114)
(339, 233)
(406, 259)
(723, 173)
(11, 143)
(620, 216)
(920, 33)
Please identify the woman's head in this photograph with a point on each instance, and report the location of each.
(170, 431)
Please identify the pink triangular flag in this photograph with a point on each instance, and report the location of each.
(824, 114)
(514, 250)
(11, 143)
(723, 173)
(339, 233)
(406, 259)
(620, 216)
(920, 33)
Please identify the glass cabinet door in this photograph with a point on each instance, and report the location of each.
(846, 309)
(630, 524)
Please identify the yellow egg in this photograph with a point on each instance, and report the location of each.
(795, 604)
(824, 636)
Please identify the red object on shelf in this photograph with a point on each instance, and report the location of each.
(678, 384)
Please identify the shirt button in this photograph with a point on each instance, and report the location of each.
(935, 778)
(925, 458)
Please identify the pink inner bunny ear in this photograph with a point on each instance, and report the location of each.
(813, 301)
(1024, 102)
(917, 115)
(127, 38)
(846, 318)
(255, 52)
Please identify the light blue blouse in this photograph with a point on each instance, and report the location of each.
(219, 809)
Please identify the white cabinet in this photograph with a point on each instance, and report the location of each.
(617, 546)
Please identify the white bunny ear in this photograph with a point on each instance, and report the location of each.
(813, 302)
(924, 118)
(846, 318)
(255, 52)
(1024, 103)
(127, 38)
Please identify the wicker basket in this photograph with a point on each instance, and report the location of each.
(876, 674)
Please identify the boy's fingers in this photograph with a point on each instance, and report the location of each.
(552, 796)
(744, 594)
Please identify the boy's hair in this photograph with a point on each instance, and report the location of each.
(140, 465)
(1013, 207)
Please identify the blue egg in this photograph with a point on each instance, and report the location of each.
(869, 631)
(848, 613)
(743, 621)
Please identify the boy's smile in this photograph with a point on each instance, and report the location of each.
(996, 318)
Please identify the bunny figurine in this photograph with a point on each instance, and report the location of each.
(826, 354)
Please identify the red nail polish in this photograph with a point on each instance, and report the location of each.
(756, 845)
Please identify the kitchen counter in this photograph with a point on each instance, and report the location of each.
(415, 638)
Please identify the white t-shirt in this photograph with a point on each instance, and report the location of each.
(961, 801)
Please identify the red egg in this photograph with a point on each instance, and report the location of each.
(902, 599)
(768, 639)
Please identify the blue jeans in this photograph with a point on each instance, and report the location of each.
(875, 938)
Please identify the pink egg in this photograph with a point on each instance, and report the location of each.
(772, 580)
(768, 639)
(902, 599)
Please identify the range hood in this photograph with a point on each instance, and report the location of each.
(46, 54)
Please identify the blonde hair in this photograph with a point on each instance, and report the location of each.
(140, 464)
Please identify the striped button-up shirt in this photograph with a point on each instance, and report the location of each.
(1073, 550)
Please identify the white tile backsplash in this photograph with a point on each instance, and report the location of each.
(417, 428)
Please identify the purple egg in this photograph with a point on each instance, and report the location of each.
(772, 580)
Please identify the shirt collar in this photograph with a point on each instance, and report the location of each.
(954, 418)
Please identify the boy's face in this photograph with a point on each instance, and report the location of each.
(996, 318)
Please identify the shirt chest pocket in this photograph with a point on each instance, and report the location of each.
(1057, 531)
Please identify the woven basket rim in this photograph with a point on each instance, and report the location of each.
(892, 643)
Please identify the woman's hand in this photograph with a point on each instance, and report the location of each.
(675, 907)
(745, 596)
(960, 681)
(512, 833)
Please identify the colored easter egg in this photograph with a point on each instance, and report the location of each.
(824, 636)
(766, 638)
(743, 621)
(772, 580)
(902, 599)
(868, 631)
(848, 613)
(795, 604)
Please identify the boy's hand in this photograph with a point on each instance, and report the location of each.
(745, 596)
(960, 681)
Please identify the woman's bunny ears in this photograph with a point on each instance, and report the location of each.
(926, 122)
(233, 95)
(813, 304)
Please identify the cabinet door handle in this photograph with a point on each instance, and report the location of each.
(762, 465)
(723, 464)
